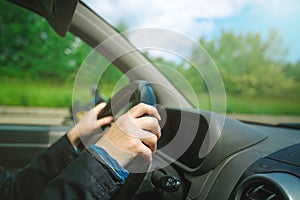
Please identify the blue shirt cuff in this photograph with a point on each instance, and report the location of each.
(120, 171)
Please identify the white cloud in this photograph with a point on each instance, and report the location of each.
(200, 17)
(183, 16)
(277, 8)
(176, 14)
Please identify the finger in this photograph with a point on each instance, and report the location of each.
(150, 124)
(150, 142)
(142, 109)
(145, 152)
(98, 108)
(105, 120)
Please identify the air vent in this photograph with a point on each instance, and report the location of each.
(272, 186)
(261, 190)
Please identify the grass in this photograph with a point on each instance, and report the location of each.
(254, 105)
(274, 106)
(48, 94)
(35, 93)
(15, 92)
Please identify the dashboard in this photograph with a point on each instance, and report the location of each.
(182, 136)
(249, 161)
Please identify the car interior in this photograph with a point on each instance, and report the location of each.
(224, 158)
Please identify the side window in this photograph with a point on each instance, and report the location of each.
(39, 68)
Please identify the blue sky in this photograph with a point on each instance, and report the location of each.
(208, 17)
(261, 20)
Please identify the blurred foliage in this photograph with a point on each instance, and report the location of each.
(256, 75)
(30, 49)
(251, 66)
(293, 70)
(34, 93)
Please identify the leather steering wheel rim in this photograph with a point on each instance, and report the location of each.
(132, 94)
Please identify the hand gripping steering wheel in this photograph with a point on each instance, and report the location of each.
(129, 96)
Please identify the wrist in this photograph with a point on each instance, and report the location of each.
(73, 137)
(113, 164)
(123, 157)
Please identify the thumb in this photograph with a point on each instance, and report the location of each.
(98, 108)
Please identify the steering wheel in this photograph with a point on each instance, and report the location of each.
(134, 93)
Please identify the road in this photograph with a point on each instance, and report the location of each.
(33, 115)
(59, 116)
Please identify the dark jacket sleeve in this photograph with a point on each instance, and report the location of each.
(45, 166)
(86, 178)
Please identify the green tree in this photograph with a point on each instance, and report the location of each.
(31, 49)
(293, 70)
(250, 65)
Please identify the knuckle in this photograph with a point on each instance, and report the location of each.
(154, 139)
(134, 144)
(153, 121)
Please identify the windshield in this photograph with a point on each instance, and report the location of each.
(253, 44)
